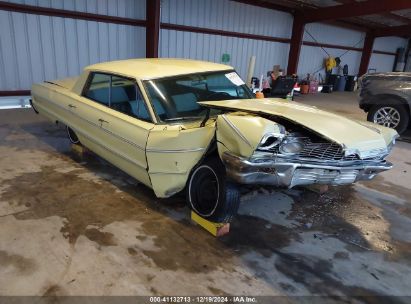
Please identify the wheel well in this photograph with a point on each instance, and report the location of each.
(211, 150)
(386, 99)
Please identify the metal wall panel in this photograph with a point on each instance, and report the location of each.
(312, 60)
(334, 35)
(211, 47)
(119, 8)
(389, 44)
(227, 15)
(381, 63)
(35, 48)
(238, 17)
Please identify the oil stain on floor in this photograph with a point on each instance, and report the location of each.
(84, 203)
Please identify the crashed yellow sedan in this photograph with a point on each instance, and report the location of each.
(189, 125)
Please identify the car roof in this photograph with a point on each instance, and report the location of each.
(156, 68)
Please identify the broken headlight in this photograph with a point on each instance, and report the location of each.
(291, 146)
(269, 141)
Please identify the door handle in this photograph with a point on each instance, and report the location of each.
(102, 120)
(72, 106)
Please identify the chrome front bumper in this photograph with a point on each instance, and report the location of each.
(288, 174)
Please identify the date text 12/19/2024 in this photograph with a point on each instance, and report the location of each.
(203, 299)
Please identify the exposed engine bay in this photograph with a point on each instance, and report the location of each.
(299, 143)
(291, 154)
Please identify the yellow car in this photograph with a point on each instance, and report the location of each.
(189, 125)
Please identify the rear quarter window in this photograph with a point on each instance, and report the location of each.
(99, 88)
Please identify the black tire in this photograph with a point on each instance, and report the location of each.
(404, 116)
(209, 193)
(72, 136)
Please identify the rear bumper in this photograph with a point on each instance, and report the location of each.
(289, 174)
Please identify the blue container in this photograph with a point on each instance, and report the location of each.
(341, 83)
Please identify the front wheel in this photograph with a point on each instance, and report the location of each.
(393, 116)
(210, 195)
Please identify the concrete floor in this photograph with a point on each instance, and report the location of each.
(73, 225)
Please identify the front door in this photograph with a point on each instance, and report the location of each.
(119, 122)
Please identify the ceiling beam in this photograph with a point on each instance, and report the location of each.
(403, 30)
(349, 25)
(354, 10)
(389, 15)
(269, 5)
(293, 11)
(398, 17)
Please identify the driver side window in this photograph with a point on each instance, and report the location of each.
(126, 98)
(119, 93)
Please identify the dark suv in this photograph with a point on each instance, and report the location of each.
(386, 97)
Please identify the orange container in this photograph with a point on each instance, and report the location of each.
(304, 88)
(259, 95)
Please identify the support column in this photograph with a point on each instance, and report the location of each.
(295, 44)
(152, 28)
(366, 53)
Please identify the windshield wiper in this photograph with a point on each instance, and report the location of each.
(207, 116)
(182, 118)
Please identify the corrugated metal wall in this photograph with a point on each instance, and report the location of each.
(229, 16)
(119, 8)
(333, 35)
(211, 47)
(385, 63)
(34, 48)
(312, 58)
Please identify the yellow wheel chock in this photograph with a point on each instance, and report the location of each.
(216, 229)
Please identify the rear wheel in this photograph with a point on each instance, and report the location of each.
(393, 116)
(72, 136)
(210, 195)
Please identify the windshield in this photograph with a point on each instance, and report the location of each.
(175, 98)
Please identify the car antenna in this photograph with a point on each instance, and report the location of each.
(206, 118)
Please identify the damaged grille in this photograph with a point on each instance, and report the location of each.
(325, 151)
(320, 151)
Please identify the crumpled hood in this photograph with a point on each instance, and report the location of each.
(353, 136)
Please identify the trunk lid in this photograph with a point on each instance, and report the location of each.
(67, 83)
(351, 135)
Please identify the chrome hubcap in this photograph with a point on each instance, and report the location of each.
(387, 116)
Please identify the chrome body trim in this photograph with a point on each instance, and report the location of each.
(154, 150)
(171, 173)
(232, 126)
(283, 173)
